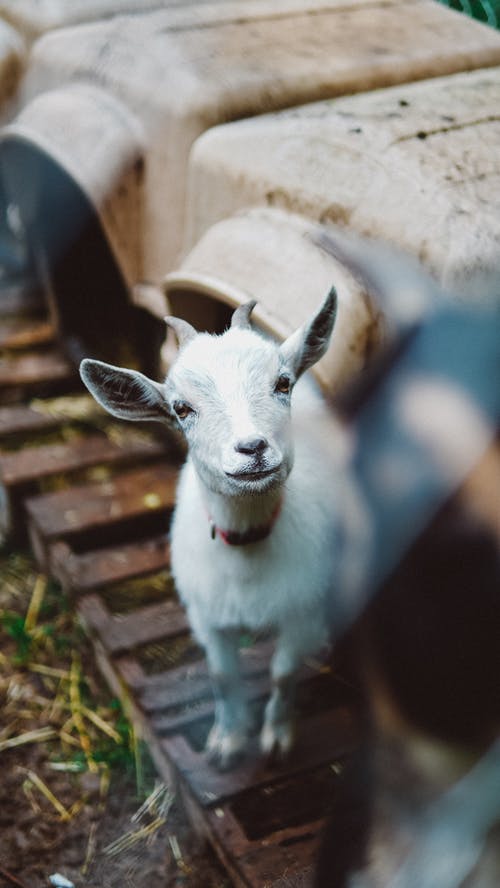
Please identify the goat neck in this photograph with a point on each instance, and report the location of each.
(239, 520)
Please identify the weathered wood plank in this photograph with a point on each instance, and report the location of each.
(38, 463)
(283, 859)
(91, 570)
(23, 333)
(151, 489)
(327, 737)
(37, 373)
(124, 632)
(34, 368)
(20, 299)
(101, 508)
(23, 420)
(23, 471)
(192, 682)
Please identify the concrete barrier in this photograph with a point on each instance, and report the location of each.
(417, 166)
(270, 256)
(35, 17)
(183, 70)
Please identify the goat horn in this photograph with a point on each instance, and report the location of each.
(241, 317)
(183, 330)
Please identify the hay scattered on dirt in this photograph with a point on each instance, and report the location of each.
(74, 774)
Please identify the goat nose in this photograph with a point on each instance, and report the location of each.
(251, 446)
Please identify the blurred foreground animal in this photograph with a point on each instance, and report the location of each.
(419, 806)
(255, 509)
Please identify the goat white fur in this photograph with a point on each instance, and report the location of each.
(254, 472)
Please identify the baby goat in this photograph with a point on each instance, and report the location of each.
(255, 513)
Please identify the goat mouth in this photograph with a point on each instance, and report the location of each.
(254, 475)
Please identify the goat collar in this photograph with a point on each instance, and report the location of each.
(252, 535)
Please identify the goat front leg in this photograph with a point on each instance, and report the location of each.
(229, 735)
(277, 734)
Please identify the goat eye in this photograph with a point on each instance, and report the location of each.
(182, 410)
(283, 385)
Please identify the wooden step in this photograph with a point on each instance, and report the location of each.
(103, 513)
(327, 737)
(36, 373)
(281, 859)
(126, 632)
(26, 421)
(22, 472)
(79, 573)
(37, 463)
(21, 333)
(20, 298)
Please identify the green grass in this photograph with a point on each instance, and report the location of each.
(487, 11)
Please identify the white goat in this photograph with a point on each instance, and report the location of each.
(252, 532)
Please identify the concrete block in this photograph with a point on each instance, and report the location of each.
(270, 256)
(415, 165)
(183, 70)
(35, 17)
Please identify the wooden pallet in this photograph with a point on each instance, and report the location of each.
(106, 541)
(31, 363)
(264, 821)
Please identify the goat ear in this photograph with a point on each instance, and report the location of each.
(126, 394)
(309, 343)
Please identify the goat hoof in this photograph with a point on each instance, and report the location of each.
(276, 740)
(225, 750)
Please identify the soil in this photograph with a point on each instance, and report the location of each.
(97, 789)
(35, 843)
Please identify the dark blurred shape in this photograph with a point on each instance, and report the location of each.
(419, 807)
(433, 629)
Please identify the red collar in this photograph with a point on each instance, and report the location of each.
(252, 535)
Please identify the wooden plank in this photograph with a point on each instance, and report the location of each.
(188, 716)
(91, 570)
(124, 632)
(130, 671)
(24, 420)
(101, 509)
(179, 709)
(283, 859)
(38, 463)
(22, 472)
(25, 333)
(24, 298)
(192, 682)
(325, 737)
(199, 706)
(66, 512)
(34, 368)
(43, 373)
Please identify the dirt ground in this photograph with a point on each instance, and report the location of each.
(35, 843)
(69, 793)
